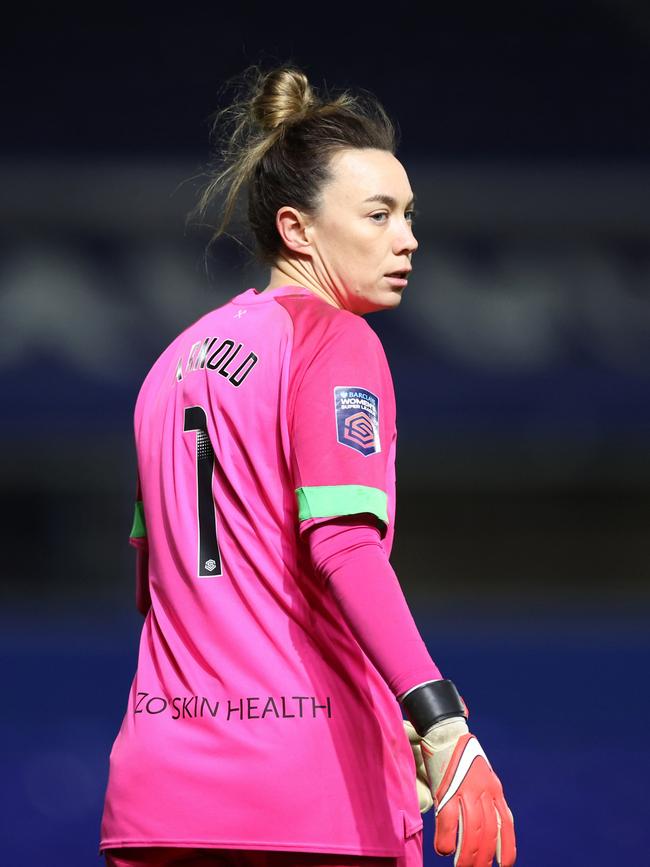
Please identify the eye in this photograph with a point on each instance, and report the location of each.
(411, 214)
(379, 214)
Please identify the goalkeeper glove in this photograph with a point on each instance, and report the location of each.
(472, 817)
(421, 780)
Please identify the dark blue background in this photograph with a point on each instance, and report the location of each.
(558, 705)
(520, 359)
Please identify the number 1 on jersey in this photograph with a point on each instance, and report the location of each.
(209, 556)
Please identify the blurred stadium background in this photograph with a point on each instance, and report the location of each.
(520, 356)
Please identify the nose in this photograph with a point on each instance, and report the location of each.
(406, 241)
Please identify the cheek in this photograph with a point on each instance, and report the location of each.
(352, 249)
(336, 243)
(350, 255)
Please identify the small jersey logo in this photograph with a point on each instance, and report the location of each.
(210, 565)
(357, 418)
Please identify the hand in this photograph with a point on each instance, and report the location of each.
(468, 797)
(421, 780)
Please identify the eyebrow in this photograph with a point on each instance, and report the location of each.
(386, 200)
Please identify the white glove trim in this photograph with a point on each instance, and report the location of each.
(472, 750)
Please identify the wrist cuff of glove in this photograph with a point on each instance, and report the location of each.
(432, 702)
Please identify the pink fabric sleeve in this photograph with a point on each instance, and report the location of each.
(142, 595)
(341, 416)
(348, 556)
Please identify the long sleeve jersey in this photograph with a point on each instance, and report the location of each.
(255, 719)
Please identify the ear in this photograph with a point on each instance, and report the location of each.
(292, 226)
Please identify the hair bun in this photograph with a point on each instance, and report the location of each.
(273, 142)
(284, 96)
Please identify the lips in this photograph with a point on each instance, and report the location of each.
(396, 280)
(403, 275)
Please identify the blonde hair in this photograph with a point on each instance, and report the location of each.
(275, 141)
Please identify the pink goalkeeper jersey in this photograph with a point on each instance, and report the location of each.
(255, 720)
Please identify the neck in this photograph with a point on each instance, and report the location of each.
(298, 273)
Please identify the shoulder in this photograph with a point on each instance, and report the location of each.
(320, 327)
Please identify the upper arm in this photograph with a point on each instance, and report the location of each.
(342, 421)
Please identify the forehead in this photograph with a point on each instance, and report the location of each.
(361, 172)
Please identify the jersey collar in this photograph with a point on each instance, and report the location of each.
(255, 296)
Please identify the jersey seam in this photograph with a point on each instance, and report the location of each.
(291, 389)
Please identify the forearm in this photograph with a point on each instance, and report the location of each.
(351, 561)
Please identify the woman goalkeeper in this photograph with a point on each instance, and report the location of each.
(278, 654)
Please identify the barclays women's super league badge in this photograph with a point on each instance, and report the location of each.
(357, 418)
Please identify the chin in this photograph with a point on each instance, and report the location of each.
(372, 302)
(385, 303)
(394, 299)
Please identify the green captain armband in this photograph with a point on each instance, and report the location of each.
(139, 528)
(323, 501)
